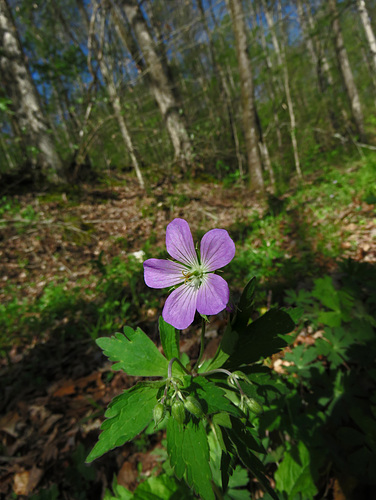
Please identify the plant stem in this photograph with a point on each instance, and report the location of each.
(172, 361)
(202, 345)
(222, 370)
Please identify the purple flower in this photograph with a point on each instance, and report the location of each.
(199, 288)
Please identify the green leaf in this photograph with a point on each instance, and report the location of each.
(237, 325)
(325, 292)
(188, 450)
(162, 487)
(225, 349)
(261, 338)
(135, 352)
(212, 398)
(293, 475)
(169, 338)
(245, 306)
(249, 460)
(127, 415)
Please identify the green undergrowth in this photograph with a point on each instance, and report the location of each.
(99, 305)
(300, 236)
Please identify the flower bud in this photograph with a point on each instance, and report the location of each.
(254, 406)
(178, 411)
(158, 413)
(194, 407)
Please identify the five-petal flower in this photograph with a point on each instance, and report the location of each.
(198, 288)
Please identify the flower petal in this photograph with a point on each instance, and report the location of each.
(180, 307)
(217, 249)
(179, 242)
(161, 273)
(213, 295)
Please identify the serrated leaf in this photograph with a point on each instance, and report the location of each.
(188, 449)
(261, 338)
(136, 354)
(169, 339)
(293, 475)
(127, 415)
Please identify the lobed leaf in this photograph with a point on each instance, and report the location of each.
(294, 476)
(188, 449)
(127, 415)
(136, 354)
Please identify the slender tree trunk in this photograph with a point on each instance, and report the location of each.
(161, 84)
(247, 93)
(272, 85)
(110, 84)
(319, 62)
(368, 30)
(347, 75)
(27, 107)
(281, 59)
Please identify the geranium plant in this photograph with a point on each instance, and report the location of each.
(192, 399)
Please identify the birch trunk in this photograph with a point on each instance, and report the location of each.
(161, 84)
(347, 75)
(368, 30)
(281, 59)
(247, 94)
(26, 103)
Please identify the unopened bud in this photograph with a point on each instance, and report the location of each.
(158, 413)
(194, 407)
(178, 411)
(254, 406)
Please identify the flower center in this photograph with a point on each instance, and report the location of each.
(194, 276)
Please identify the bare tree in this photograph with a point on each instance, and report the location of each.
(247, 93)
(347, 74)
(26, 104)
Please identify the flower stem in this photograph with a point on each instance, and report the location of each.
(172, 361)
(222, 370)
(202, 345)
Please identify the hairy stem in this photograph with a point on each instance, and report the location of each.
(202, 345)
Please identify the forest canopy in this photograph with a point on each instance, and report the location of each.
(256, 90)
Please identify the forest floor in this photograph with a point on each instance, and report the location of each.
(57, 385)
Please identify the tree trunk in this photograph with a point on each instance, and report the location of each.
(110, 85)
(368, 30)
(281, 59)
(26, 103)
(161, 84)
(247, 94)
(347, 75)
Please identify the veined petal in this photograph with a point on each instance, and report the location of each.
(217, 249)
(180, 307)
(179, 242)
(161, 273)
(213, 295)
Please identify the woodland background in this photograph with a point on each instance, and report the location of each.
(116, 116)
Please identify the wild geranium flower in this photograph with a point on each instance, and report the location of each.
(198, 288)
